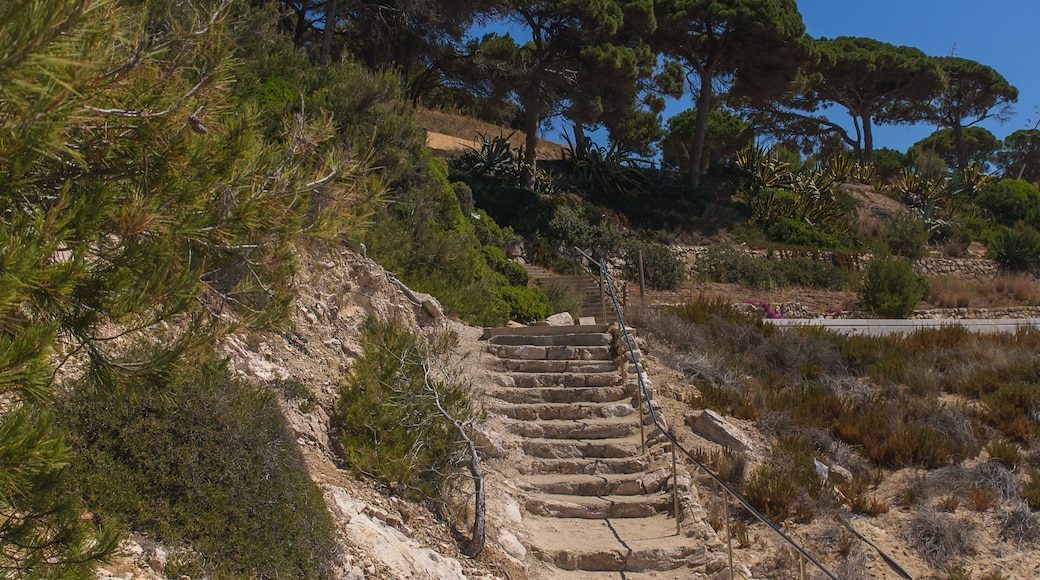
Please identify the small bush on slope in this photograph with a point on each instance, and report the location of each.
(892, 289)
(389, 417)
(198, 458)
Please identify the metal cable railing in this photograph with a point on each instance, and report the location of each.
(644, 393)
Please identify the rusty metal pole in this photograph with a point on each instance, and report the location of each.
(602, 297)
(639, 402)
(801, 564)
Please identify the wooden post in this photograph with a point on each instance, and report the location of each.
(675, 493)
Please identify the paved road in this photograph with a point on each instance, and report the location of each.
(877, 327)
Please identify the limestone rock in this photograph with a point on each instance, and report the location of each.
(560, 319)
(714, 427)
(389, 546)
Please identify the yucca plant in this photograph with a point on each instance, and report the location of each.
(494, 156)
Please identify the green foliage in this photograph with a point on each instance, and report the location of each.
(800, 207)
(891, 288)
(525, 304)
(217, 448)
(889, 163)
(727, 134)
(1004, 452)
(42, 535)
(582, 227)
(1013, 409)
(1017, 248)
(495, 157)
(1010, 200)
(979, 146)
(145, 200)
(1020, 157)
(731, 265)
(563, 298)
(603, 173)
(1031, 489)
(662, 269)
(513, 272)
(904, 235)
(394, 418)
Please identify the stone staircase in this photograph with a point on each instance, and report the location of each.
(594, 500)
(585, 286)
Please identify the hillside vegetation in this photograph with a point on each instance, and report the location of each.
(166, 167)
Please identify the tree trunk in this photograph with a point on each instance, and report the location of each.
(476, 542)
(700, 130)
(326, 35)
(868, 140)
(532, 119)
(961, 148)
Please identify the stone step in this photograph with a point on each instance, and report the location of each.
(605, 428)
(564, 410)
(613, 448)
(553, 338)
(598, 466)
(525, 380)
(622, 545)
(598, 485)
(565, 352)
(598, 507)
(557, 366)
(562, 395)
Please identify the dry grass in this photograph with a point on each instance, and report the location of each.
(1005, 291)
(940, 538)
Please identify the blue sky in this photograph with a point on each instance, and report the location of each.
(998, 33)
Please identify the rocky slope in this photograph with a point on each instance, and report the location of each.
(382, 536)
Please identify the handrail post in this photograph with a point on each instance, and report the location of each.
(642, 281)
(675, 492)
(801, 565)
(642, 417)
(729, 535)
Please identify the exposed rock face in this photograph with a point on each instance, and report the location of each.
(715, 428)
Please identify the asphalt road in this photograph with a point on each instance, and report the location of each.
(878, 327)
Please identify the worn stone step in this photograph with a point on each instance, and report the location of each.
(565, 410)
(598, 507)
(605, 428)
(559, 379)
(562, 394)
(557, 366)
(597, 466)
(555, 338)
(534, 352)
(598, 485)
(621, 545)
(581, 448)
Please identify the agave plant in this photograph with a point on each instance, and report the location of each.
(611, 172)
(494, 156)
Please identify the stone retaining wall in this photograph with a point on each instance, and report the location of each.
(973, 268)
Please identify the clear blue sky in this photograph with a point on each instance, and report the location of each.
(998, 33)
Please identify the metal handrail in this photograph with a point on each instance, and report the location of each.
(676, 445)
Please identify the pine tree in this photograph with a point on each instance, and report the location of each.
(139, 202)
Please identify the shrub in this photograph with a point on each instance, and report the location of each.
(939, 538)
(524, 304)
(1013, 409)
(584, 228)
(771, 492)
(662, 269)
(200, 459)
(563, 298)
(813, 273)
(905, 235)
(1017, 248)
(1021, 526)
(1031, 490)
(1005, 453)
(514, 273)
(892, 289)
(388, 416)
(730, 265)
